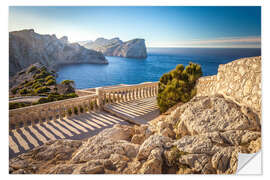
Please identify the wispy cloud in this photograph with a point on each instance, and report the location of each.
(218, 42)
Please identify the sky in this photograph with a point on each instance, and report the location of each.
(169, 26)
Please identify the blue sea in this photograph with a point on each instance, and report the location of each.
(159, 61)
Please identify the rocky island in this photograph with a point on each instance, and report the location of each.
(134, 48)
(202, 136)
(27, 47)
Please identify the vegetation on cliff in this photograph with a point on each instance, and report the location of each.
(41, 82)
(178, 85)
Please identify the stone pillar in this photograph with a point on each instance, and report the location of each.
(100, 94)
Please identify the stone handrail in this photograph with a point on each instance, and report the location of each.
(32, 115)
(127, 93)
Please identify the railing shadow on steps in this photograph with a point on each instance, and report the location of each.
(37, 114)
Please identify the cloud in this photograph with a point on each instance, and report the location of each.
(218, 42)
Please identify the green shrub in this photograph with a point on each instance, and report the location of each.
(71, 95)
(69, 111)
(29, 83)
(76, 110)
(81, 109)
(49, 78)
(15, 105)
(24, 91)
(43, 100)
(33, 68)
(22, 72)
(178, 86)
(14, 90)
(67, 82)
(36, 85)
(41, 80)
(43, 74)
(50, 82)
(42, 90)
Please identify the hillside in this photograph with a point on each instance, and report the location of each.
(27, 47)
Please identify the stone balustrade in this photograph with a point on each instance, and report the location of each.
(32, 115)
(129, 92)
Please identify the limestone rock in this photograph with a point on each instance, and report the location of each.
(214, 113)
(154, 141)
(153, 165)
(109, 141)
(134, 48)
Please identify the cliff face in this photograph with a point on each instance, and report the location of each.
(27, 47)
(115, 47)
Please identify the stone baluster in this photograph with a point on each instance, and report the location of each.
(129, 94)
(142, 92)
(113, 97)
(95, 105)
(126, 94)
(109, 100)
(100, 100)
(54, 111)
(15, 121)
(27, 116)
(151, 91)
(116, 96)
(40, 117)
(60, 111)
(78, 105)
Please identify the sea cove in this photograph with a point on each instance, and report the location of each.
(159, 61)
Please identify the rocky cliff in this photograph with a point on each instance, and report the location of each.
(201, 136)
(134, 48)
(27, 47)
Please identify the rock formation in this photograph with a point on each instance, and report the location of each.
(134, 48)
(202, 136)
(27, 47)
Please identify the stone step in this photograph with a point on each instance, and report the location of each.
(136, 112)
(77, 127)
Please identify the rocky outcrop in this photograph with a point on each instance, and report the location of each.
(239, 80)
(203, 136)
(134, 48)
(27, 47)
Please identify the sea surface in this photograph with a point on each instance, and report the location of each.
(159, 61)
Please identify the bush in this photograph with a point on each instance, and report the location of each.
(22, 72)
(15, 105)
(24, 91)
(69, 111)
(43, 74)
(42, 90)
(33, 68)
(43, 100)
(81, 109)
(76, 110)
(14, 90)
(39, 80)
(67, 82)
(29, 83)
(50, 82)
(36, 85)
(178, 86)
(49, 78)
